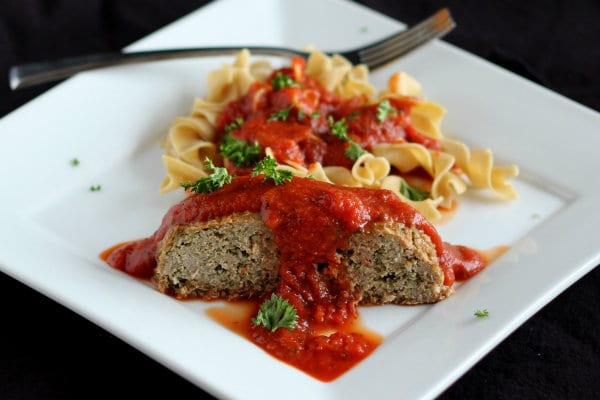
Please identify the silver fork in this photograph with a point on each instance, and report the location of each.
(374, 55)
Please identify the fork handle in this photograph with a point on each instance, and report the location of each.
(24, 75)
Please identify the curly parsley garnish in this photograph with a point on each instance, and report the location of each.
(312, 115)
(281, 115)
(95, 188)
(276, 313)
(384, 110)
(354, 151)
(339, 129)
(268, 167)
(216, 180)
(240, 152)
(234, 125)
(481, 313)
(353, 115)
(282, 80)
(74, 162)
(412, 193)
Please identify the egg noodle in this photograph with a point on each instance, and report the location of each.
(452, 170)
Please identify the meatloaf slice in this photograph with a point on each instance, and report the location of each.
(235, 257)
(391, 263)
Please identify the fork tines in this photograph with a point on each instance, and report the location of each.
(394, 46)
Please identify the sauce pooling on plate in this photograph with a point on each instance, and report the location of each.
(311, 222)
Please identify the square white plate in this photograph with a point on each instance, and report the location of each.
(112, 120)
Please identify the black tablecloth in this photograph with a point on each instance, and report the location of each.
(49, 352)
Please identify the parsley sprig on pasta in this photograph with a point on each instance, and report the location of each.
(216, 180)
(268, 167)
(282, 80)
(451, 167)
(412, 193)
(384, 110)
(240, 152)
(339, 129)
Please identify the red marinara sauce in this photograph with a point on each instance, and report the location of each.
(297, 121)
(311, 221)
(137, 258)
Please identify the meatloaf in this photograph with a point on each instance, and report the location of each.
(235, 257)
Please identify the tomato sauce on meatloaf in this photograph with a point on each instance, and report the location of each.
(311, 222)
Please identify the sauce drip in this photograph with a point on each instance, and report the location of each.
(235, 316)
(311, 222)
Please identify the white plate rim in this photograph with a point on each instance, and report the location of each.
(579, 199)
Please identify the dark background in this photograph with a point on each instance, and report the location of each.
(49, 352)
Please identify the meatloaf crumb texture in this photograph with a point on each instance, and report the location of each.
(228, 258)
(235, 257)
(390, 263)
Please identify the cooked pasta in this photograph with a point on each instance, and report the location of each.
(451, 167)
